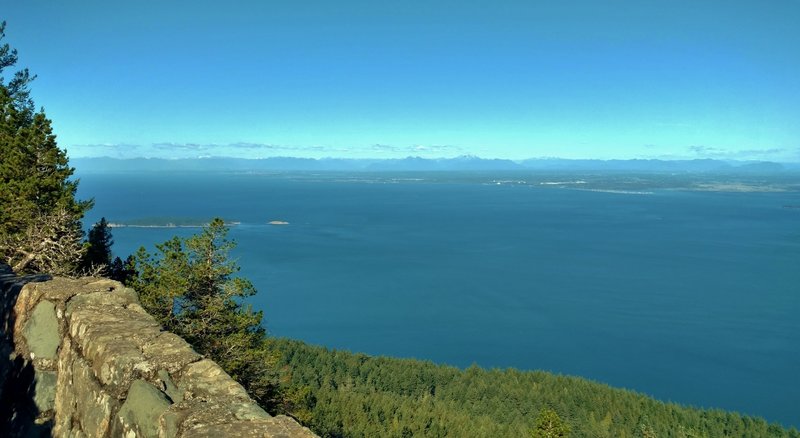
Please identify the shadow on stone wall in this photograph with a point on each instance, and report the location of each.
(81, 357)
(18, 410)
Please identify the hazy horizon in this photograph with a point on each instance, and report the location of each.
(431, 158)
(625, 79)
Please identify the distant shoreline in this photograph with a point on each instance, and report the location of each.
(114, 225)
(167, 225)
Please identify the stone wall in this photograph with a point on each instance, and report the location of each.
(82, 358)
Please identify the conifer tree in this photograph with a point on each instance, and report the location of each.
(40, 227)
(190, 286)
(550, 425)
(122, 271)
(97, 257)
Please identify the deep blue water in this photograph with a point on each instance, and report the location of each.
(691, 297)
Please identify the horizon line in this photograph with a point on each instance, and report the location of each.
(469, 156)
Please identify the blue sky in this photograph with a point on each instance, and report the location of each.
(573, 79)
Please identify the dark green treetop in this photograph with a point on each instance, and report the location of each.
(97, 257)
(40, 227)
(122, 271)
(18, 85)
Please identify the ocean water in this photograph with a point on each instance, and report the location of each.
(691, 297)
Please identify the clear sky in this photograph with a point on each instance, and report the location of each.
(507, 79)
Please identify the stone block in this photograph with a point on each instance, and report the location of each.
(139, 415)
(41, 331)
(120, 297)
(57, 291)
(45, 390)
(92, 284)
(170, 352)
(111, 338)
(272, 427)
(205, 379)
(190, 415)
(168, 425)
(93, 406)
(169, 387)
(65, 401)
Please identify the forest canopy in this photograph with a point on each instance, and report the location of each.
(354, 395)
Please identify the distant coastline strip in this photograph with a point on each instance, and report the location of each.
(620, 192)
(166, 225)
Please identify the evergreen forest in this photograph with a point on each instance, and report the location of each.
(355, 395)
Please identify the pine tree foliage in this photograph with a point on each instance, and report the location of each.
(122, 271)
(550, 425)
(190, 286)
(342, 394)
(39, 215)
(97, 255)
(17, 87)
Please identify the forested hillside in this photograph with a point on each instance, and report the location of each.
(341, 394)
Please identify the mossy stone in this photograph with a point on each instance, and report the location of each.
(143, 407)
(41, 331)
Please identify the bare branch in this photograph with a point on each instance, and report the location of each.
(51, 243)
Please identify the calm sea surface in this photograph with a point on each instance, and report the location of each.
(691, 297)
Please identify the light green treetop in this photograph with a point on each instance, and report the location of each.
(190, 286)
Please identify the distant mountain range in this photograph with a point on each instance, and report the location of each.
(414, 164)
